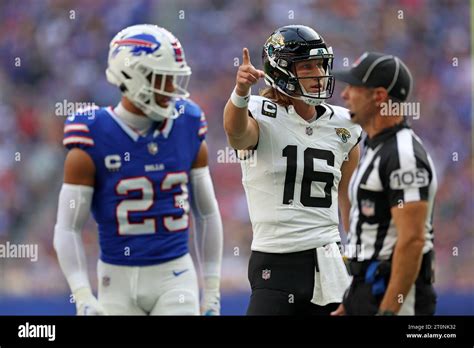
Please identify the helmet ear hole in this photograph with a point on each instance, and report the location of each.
(292, 83)
(283, 63)
(142, 69)
(145, 98)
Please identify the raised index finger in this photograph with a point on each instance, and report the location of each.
(245, 56)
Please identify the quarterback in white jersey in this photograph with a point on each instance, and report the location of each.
(299, 155)
(292, 184)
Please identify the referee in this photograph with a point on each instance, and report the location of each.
(390, 247)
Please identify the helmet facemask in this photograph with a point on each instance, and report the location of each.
(324, 81)
(145, 98)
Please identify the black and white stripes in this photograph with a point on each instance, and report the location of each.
(395, 170)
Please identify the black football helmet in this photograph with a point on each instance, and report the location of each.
(290, 44)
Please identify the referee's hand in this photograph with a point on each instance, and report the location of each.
(247, 75)
(339, 311)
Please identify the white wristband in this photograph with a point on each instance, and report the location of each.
(238, 101)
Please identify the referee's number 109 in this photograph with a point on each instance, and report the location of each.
(309, 176)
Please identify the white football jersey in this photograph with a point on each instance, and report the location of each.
(291, 180)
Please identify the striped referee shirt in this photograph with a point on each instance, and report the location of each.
(395, 169)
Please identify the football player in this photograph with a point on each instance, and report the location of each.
(139, 167)
(306, 151)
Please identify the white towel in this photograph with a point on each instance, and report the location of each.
(332, 280)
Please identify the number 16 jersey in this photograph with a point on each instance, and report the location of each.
(291, 179)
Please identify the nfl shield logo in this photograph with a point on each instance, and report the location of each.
(105, 281)
(309, 131)
(367, 207)
(266, 273)
(153, 148)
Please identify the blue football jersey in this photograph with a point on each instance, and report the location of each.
(142, 186)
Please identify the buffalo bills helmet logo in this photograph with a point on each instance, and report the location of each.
(143, 43)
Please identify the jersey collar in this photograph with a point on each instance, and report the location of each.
(322, 110)
(130, 132)
(164, 129)
(329, 110)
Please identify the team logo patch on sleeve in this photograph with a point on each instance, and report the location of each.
(343, 133)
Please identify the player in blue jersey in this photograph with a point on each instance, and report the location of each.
(140, 167)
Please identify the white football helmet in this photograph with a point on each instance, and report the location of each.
(140, 53)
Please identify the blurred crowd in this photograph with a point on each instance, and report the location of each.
(55, 51)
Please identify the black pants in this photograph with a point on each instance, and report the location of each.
(359, 299)
(282, 284)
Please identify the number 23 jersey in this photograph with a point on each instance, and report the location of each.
(291, 180)
(142, 185)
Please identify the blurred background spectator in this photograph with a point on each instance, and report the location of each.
(54, 51)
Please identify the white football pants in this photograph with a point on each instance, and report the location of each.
(170, 288)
